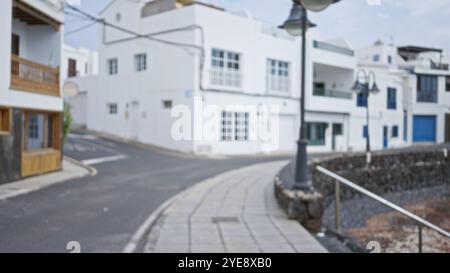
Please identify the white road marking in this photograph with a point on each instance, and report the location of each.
(77, 136)
(95, 161)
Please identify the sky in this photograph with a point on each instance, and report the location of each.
(359, 22)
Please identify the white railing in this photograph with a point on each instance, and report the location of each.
(228, 78)
(278, 84)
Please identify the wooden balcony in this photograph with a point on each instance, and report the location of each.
(33, 77)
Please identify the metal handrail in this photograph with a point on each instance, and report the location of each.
(385, 202)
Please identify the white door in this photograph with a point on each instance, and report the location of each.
(135, 117)
(288, 133)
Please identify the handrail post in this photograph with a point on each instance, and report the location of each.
(337, 203)
(420, 238)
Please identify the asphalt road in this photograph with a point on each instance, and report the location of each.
(104, 211)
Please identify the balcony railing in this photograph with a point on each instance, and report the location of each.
(439, 66)
(278, 84)
(427, 96)
(321, 92)
(34, 77)
(333, 48)
(227, 78)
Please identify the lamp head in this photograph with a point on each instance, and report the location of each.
(294, 23)
(316, 5)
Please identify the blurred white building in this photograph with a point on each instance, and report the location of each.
(247, 63)
(246, 66)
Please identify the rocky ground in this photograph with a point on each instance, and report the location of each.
(368, 220)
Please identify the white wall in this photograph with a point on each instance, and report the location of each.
(87, 61)
(38, 43)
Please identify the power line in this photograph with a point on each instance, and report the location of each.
(131, 32)
(80, 29)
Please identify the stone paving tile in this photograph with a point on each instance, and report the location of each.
(245, 194)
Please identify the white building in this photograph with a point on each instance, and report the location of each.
(429, 100)
(247, 66)
(79, 62)
(415, 81)
(31, 32)
(389, 108)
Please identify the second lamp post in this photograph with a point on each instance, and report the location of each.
(365, 87)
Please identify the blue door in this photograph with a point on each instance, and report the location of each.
(385, 137)
(424, 129)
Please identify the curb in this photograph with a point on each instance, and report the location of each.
(92, 171)
(150, 222)
(24, 191)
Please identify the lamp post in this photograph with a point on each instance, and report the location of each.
(297, 24)
(366, 87)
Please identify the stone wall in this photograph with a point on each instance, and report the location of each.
(10, 150)
(389, 172)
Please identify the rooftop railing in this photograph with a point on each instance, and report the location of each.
(333, 48)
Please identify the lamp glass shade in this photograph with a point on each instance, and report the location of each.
(375, 89)
(316, 5)
(358, 87)
(294, 24)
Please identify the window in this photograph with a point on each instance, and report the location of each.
(365, 131)
(140, 62)
(241, 129)
(315, 133)
(278, 76)
(389, 59)
(226, 66)
(234, 126)
(376, 58)
(113, 108)
(427, 86)
(5, 121)
(392, 98)
(361, 100)
(72, 69)
(395, 131)
(41, 131)
(113, 66)
(167, 104)
(447, 83)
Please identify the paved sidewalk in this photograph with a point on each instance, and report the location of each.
(234, 212)
(27, 185)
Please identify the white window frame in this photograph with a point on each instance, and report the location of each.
(113, 66)
(113, 108)
(278, 76)
(140, 62)
(234, 126)
(226, 68)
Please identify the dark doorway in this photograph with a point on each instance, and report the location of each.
(447, 128)
(72, 71)
(337, 131)
(15, 44)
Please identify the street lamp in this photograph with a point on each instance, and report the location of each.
(366, 86)
(297, 24)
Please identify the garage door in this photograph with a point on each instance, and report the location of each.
(424, 129)
(288, 133)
